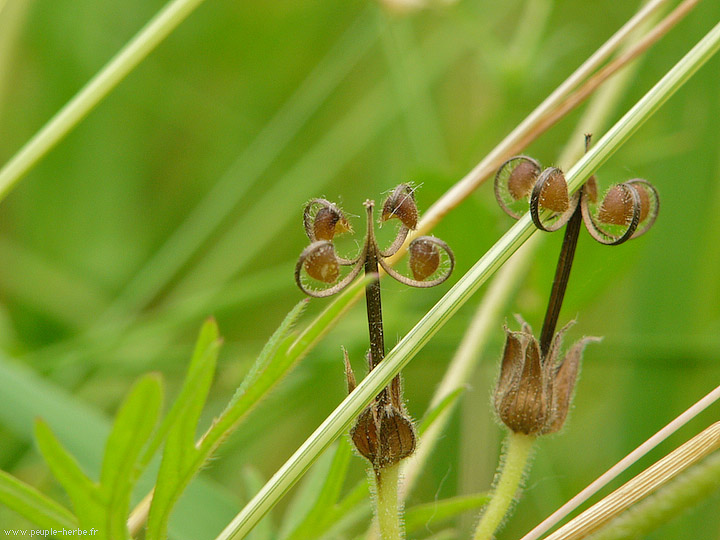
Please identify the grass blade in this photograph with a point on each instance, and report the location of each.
(33, 505)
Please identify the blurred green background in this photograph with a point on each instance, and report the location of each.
(181, 196)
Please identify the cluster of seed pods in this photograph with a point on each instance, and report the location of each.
(430, 259)
(626, 211)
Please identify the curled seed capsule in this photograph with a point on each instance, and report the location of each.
(323, 220)
(513, 182)
(424, 258)
(522, 179)
(401, 204)
(617, 206)
(328, 222)
(554, 192)
(322, 264)
(550, 193)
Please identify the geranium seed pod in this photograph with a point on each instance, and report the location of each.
(522, 179)
(554, 193)
(401, 204)
(328, 222)
(424, 258)
(644, 201)
(322, 264)
(364, 435)
(617, 206)
(397, 436)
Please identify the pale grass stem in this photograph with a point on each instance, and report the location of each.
(339, 420)
(642, 485)
(623, 464)
(157, 29)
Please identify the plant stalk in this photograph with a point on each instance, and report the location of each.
(388, 508)
(518, 450)
(562, 275)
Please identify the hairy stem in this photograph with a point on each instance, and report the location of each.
(509, 482)
(388, 510)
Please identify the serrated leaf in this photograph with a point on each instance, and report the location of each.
(34, 506)
(133, 426)
(269, 350)
(435, 512)
(180, 453)
(436, 411)
(83, 492)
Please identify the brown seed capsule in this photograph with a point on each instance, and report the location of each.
(554, 193)
(617, 206)
(397, 436)
(644, 201)
(322, 264)
(328, 222)
(522, 179)
(424, 258)
(364, 435)
(383, 435)
(401, 204)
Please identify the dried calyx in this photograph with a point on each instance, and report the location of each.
(534, 391)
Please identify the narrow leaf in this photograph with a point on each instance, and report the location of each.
(209, 334)
(180, 452)
(133, 425)
(83, 492)
(34, 506)
(269, 351)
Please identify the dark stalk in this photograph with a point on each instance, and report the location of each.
(373, 303)
(562, 275)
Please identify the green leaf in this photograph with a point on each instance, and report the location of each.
(24, 396)
(133, 426)
(84, 493)
(434, 413)
(423, 515)
(33, 505)
(269, 351)
(209, 334)
(180, 452)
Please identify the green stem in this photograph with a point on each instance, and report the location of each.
(387, 507)
(509, 482)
